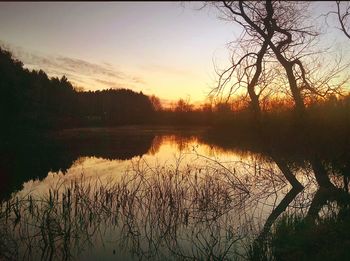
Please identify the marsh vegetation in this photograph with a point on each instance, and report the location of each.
(182, 199)
(259, 171)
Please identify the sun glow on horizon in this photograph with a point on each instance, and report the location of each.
(169, 54)
(119, 45)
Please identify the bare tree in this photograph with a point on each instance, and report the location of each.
(156, 103)
(183, 105)
(343, 13)
(274, 32)
(246, 72)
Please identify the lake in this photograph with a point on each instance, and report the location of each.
(164, 193)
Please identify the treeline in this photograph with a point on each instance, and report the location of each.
(32, 100)
(332, 111)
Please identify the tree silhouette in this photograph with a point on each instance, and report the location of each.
(274, 52)
(343, 13)
(30, 99)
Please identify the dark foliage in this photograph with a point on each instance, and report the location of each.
(31, 100)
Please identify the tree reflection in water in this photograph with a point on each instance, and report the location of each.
(213, 211)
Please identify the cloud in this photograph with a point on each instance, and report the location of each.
(167, 69)
(90, 76)
(110, 84)
(84, 67)
(138, 80)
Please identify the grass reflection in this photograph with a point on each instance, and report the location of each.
(180, 210)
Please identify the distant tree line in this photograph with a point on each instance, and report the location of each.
(30, 99)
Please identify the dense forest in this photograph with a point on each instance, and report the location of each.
(31, 102)
(30, 99)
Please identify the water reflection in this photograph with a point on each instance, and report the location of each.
(183, 199)
(59, 151)
(36, 160)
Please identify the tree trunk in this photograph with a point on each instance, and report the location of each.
(321, 174)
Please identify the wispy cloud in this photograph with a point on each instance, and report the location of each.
(90, 76)
(109, 84)
(87, 68)
(167, 69)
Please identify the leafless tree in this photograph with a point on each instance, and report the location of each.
(274, 34)
(343, 13)
(156, 103)
(248, 71)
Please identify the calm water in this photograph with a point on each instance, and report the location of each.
(130, 194)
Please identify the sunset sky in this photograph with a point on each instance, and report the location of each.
(161, 48)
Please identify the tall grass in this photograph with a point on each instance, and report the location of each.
(177, 210)
(170, 211)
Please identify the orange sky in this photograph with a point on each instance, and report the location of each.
(161, 48)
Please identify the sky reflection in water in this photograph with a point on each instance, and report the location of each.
(182, 199)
